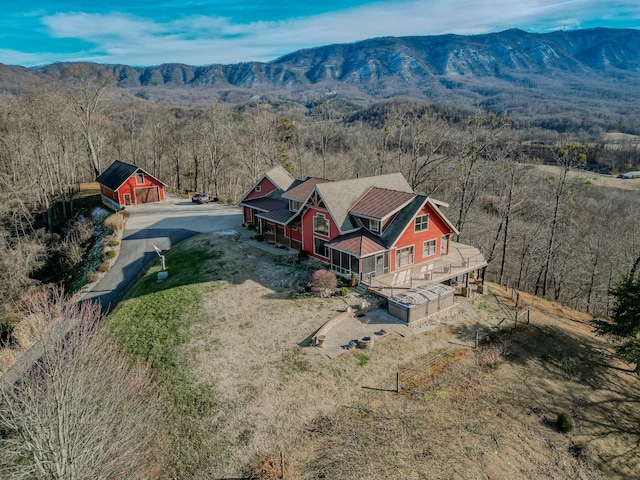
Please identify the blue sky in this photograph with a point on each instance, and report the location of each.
(202, 32)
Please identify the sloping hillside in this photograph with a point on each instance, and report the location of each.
(258, 390)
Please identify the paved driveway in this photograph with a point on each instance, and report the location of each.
(163, 224)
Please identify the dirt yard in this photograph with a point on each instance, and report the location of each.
(482, 413)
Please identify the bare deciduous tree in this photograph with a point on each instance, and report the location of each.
(85, 87)
(84, 410)
(563, 186)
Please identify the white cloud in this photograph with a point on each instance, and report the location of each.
(198, 40)
(95, 27)
(16, 57)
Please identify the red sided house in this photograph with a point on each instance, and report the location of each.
(374, 227)
(124, 184)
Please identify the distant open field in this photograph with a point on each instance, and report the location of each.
(485, 413)
(597, 179)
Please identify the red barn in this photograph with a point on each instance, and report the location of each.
(124, 184)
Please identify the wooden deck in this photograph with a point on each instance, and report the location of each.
(462, 259)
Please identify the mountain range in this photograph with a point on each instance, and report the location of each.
(594, 72)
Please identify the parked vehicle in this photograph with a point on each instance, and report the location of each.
(630, 175)
(201, 198)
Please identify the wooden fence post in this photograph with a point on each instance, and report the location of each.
(282, 465)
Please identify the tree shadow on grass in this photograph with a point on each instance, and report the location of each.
(581, 375)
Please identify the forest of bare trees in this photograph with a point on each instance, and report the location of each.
(551, 234)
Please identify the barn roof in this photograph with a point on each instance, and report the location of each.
(118, 173)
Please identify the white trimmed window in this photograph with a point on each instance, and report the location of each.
(294, 205)
(421, 223)
(374, 226)
(320, 247)
(321, 225)
(404, 257)
(139, 178)
(258, 188)
(429, 248)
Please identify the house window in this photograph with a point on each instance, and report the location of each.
(258, 188)
(374, 226)
(321, 225)
(404, 256)
(429, 248)
(139, 178)
(294, 205)
(421, 223)
(320, 247)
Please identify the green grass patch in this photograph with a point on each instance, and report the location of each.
(152, 323)
(153, 326)
(362, 358)
(293, 361)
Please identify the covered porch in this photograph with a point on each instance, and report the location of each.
(273, 225)
(461, 261)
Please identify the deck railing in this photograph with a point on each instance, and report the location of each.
(407, 279)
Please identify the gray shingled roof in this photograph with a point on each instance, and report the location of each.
(340, 196)
(117, 173)
(280, 177)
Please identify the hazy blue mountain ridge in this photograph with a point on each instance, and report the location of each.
(408, 59)
(565, 80)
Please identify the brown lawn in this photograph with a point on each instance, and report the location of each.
(481, 413)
